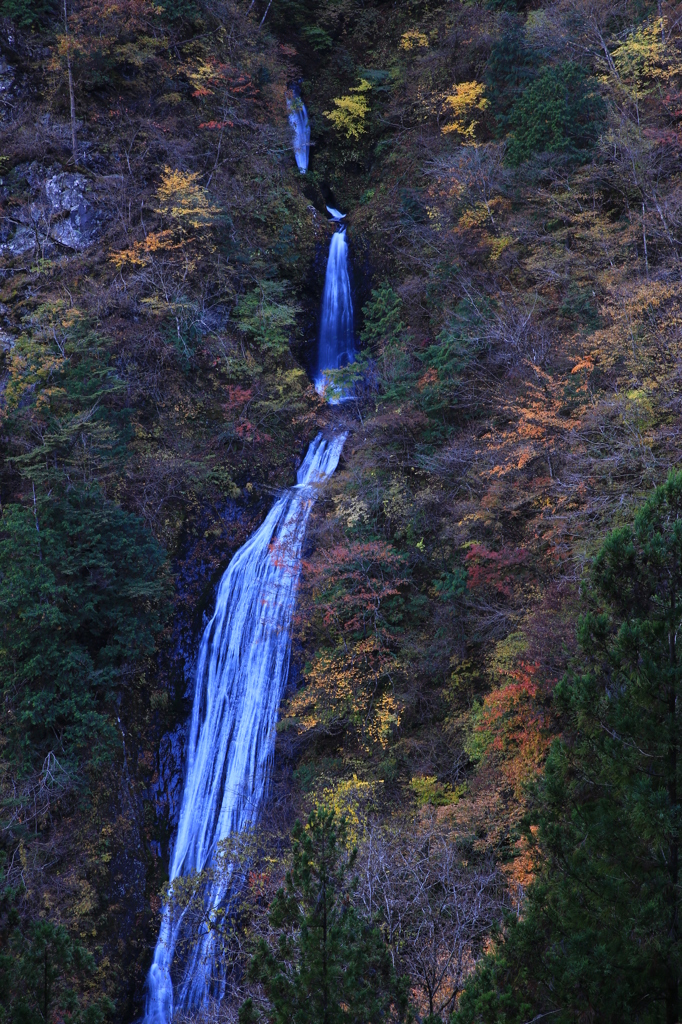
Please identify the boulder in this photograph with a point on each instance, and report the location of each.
(67, 194)
(62, 211)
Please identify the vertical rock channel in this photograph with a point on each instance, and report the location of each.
(241, 671)
(337, 337)
(298, 119)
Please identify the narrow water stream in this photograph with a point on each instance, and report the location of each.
(241, 672)
(242, 669)
(298, 119)
(336, 346)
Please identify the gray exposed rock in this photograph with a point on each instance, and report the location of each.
(6, 75)
(215, 318)
(166, 790)
(63, 211)
(67, 193)
(24, 241)
(6, 230)
(6, 341)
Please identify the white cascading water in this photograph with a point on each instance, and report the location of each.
(298, 119)
(241, 672)
(337, 341)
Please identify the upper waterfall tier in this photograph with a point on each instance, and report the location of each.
(241, 671)
(337, 340)
(298, 119)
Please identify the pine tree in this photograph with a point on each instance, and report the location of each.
(601, 930)
(510, 68)
(559, 112)
(40, 977)
(329, 965)
(83, 598)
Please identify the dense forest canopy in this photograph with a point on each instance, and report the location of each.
(480, 734)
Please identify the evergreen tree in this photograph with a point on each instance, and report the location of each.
(83, 598)
(558, 113)
(27, 14)
(601, 931)
(511, 67)
(329, 965)
(40, 974)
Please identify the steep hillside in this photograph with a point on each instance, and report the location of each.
(142, 436)
(510, 175)
(514, 193)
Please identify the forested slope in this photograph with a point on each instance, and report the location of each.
(510, 174)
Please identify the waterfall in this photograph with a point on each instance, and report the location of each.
(298, 119)
(241, 671)
(337, 342)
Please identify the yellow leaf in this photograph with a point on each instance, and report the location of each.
(467, 98)
(184, 200)
(413, 40)
(351, 111)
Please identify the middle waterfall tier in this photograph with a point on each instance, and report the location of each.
(241, 671)
(337, 339)
(298, 119)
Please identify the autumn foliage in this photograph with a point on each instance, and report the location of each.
(511, 183)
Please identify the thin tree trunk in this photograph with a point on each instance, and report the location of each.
(646, 253)
(325, 982)
(266, 14)
(35, 516)
(72, 98)
(672, 995)
(46, 987)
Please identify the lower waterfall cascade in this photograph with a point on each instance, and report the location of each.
(241, 672)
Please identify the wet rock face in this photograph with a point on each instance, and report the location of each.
(128, 878)
(6, 77)
(166, 788)
(6, 338)
(197, 574)
(6, 346)
(62, 209)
